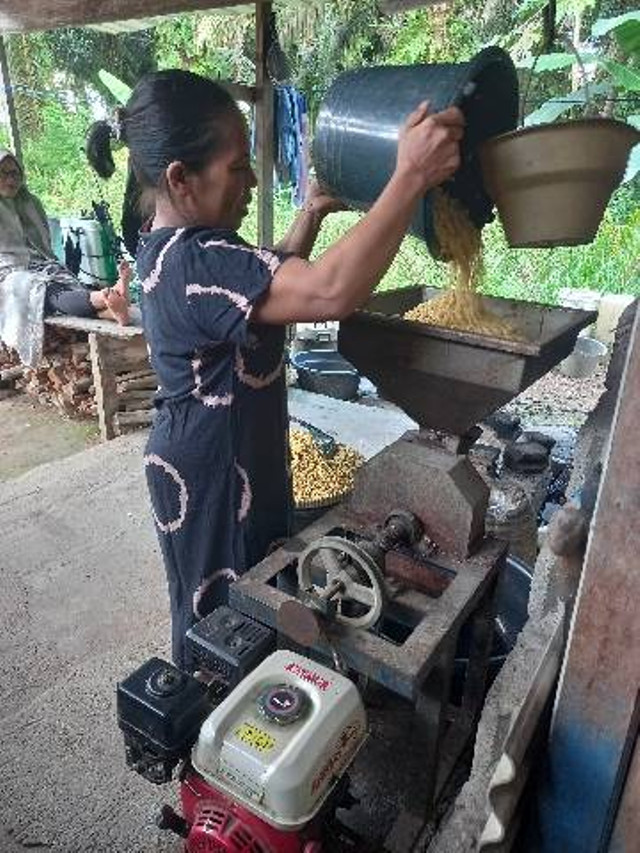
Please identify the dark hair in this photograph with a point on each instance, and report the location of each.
(171, 115)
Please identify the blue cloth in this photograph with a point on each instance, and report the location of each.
(291, 128)
(216, 459)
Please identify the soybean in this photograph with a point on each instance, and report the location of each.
(317, 477)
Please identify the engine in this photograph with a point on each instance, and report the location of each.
(262, 769)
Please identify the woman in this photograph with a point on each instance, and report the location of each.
(214, 310)
(32, 283)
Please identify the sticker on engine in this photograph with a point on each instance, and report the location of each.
(343, 750)
(309, 675)
(254, 737)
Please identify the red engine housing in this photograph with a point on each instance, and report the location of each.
(220, 825)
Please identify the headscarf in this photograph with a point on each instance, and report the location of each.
(23, 224)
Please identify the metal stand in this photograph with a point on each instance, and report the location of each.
(417, 664)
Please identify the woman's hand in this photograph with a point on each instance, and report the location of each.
(319, 202)
(429, 147)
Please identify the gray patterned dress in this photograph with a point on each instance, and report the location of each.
(216, 459)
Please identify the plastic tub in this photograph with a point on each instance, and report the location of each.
(611, 308)
(552, 183)
(97, 264)
(326, 372)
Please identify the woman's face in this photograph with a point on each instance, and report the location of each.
(221, 192)
(10, 178)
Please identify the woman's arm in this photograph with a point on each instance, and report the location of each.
(301, 236)
(343, 277)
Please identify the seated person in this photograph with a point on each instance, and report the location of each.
(33, 284)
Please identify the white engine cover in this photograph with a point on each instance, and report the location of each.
(282, 739)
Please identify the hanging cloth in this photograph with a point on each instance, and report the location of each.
(291, 141)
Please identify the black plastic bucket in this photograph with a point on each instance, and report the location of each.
(356, 133)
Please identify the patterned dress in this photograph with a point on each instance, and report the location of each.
(216, 459)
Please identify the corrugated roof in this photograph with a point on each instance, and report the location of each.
(28, 15)
(133, 26)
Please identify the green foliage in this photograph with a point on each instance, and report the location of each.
(120, 91)
(435, 34)
(217, 45)
(348, 35)
(31, 65)
(626, 28)
(82, 53)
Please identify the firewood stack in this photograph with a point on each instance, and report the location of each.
(63, 377)
(136, 390)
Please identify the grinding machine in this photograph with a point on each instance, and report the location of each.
(373, 595)
(384, 584)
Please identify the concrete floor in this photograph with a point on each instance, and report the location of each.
(83, 603)
(31, 433)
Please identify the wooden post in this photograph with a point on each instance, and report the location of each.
(597, 715)
(264, 127)
(104, 381)
(5, 83)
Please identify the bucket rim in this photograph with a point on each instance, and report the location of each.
(547, 127)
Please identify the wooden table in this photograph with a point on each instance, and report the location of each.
(113, 349)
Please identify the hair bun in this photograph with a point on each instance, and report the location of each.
(98, 148)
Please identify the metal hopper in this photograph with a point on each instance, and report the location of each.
(449, 380)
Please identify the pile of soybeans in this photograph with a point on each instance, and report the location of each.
(317, 477)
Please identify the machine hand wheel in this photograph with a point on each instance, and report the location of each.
(350, 575)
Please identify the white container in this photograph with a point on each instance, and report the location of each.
(282, 771)
(584, 359)
(612, 306)
(94, 264)
(578, 297)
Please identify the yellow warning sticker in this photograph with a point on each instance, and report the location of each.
(255, 737)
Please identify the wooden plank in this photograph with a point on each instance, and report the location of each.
(27, 15)
(148, 382)
(126, 355)
(133, 420)
(10, 374)
(5, 84)
(264, 128)
(595, 722)
(104, 381)
(101, 327)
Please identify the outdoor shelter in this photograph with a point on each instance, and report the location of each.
(597, 691)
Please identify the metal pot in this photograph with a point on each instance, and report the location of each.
(552, 183)
(326, 372)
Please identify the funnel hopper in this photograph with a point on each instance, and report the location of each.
(446, 379)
